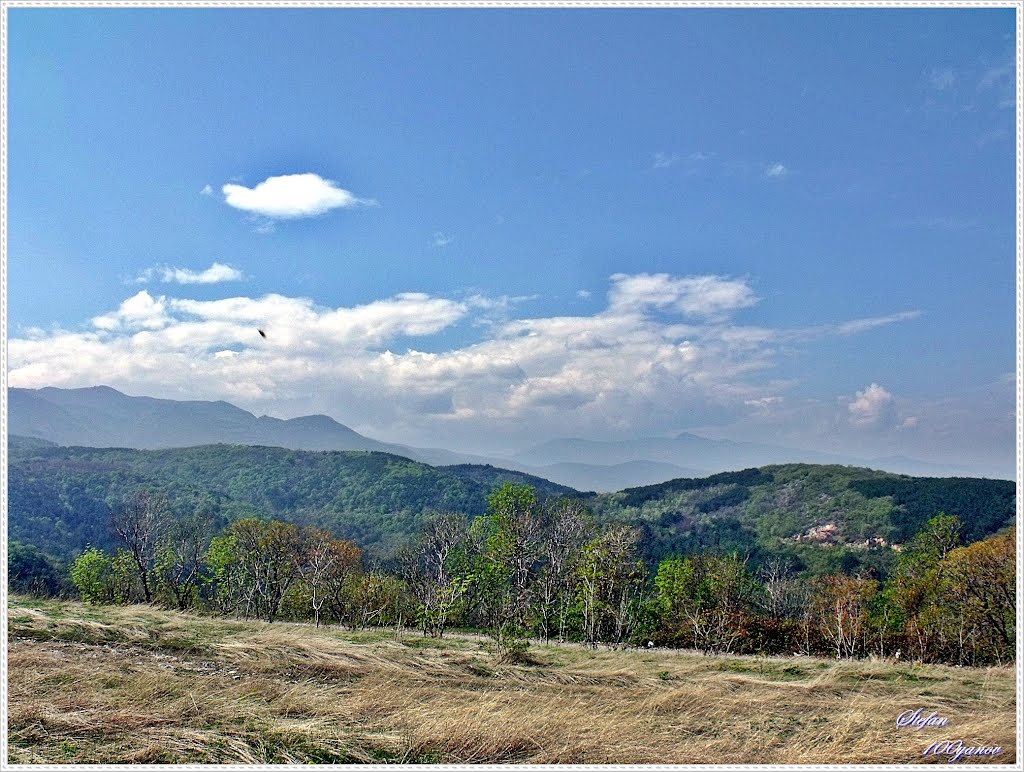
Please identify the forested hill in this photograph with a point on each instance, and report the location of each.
(821, 518)
(59, 498)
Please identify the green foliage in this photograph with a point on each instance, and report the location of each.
(30, 571)
(93, 576)
(61, 498)
(985, 505)
(512, 643)
(610, 578)
(529, 567)
(952, 603)
(701, 600)
(128, 586)
(769, 512)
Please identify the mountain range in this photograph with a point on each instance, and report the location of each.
(100, 416)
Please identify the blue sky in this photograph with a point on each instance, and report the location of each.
(484, 228)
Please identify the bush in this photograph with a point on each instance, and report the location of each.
(93, 575)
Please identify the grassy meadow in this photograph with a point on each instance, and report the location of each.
(138, 684)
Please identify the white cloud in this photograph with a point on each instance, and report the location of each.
(699, 156)
(139, 312)
(999, 75)
(632, 363)
(583, 294)
(763, 403)
(861, 325)
(441, 239)
(661, 353)
(871, 407)
(992, 135)
(942, 78)
(704, 296)
(290, 196)
(216, 273)
(206, 191)
(665, 160)
(776, 170)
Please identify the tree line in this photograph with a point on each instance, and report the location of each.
(544, 570)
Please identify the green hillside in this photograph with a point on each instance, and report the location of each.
(60, 498)
(821, 518)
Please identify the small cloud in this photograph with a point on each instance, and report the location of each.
(711, 297)
(993, 135)
(995, 76)
(665, 160)
(216, 273)
(699, 156)
(942, 79)
(870, 407)
(441, 239)
(861, 325)
(206, 191)
(291, 196)
(762, 403)
(910, 422)
(1001, 81)
(776, 170)
(140, 312)
(583, 294)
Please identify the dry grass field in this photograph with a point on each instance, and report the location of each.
(138, 684)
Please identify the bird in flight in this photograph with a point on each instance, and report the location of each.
(262, 334)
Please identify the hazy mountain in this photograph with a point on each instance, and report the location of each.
(103, 417)
(699, 456)
(913, 466)
(604, 478)
(685, 450)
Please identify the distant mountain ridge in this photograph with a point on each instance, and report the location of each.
(102, 417)
(700, 456)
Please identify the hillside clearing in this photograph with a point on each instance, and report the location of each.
(138, 684)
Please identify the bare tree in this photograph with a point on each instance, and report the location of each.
(610, 575)
(781, 597)
(141, 521)
(180, 557)
(428, 568)
(325, 566)
(570, 528)
(268, 555)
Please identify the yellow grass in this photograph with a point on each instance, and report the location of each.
(137, 684)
